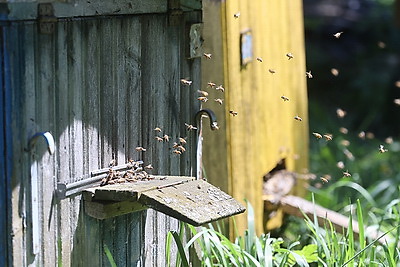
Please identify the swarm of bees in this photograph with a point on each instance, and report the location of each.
(134, 173)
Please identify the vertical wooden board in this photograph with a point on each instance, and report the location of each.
(64, 235)
(45, 113)
(108, 126)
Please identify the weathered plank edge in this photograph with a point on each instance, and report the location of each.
(29, 10)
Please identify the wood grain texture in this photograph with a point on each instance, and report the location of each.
(100, 86)
(264, 131)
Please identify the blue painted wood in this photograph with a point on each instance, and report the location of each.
(6, 158)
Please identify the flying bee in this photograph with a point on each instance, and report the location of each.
(148, 167)
(175, 145)
(335, 72)
(236, 15)
(337, 35)
(158, 129)
(207, 56)
(203, 93)
(345, 142)
(340, 113)
(181, 148)
(140, 149)
(112, 163)
(182, 140)
(177, 152)
(308, 74)
(328, 137)
(289, 55)
(190, 127)
(186, 82)
(219, 100)
(397, 101)
(272, 71)
(259, 59)
(297, 118)
(317, 135)
(382, 149)
(159, 139)
(343, 130)
(361, 135)
(211, 84)
(233, 113)
(397, 84)
(340, 165)
(285, 98)
(381, 44)
(220, 88)
(202, 99)
(166, 138)
(346, 174)
(389, 140)
(323, 179)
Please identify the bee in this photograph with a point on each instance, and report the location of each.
(343, 130)
(112, 163)
(236, 15)
(272, 71)
(190, 127)
(175, 145)
(370, 135)
(297, 118)
(207, 56)
(233, 113)
(323, 179)
(140, 149)
(181, 148)
(317, 135)
(335, 72)
(148, 167)
(381, 44)
(158, 129)
(346, 174)
(348, 154)
(397, 84)
(345, 142)
(186, 82)
(182, 140)
(389, 140)
(337, 35)
(382, 149)
(211, 84)
(397, 101)
(285, 98)
(202, 99)
(259, 59)
(203, 93)
(328, 137)
(340, 113)
(159, 139)
(309, 75)
(220, 88)
(219, 100)
(166, 138)
(361, 135)
(340, 165)
(289, 55)
(178, 152)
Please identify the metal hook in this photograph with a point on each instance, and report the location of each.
(49, 140)
(211, 115)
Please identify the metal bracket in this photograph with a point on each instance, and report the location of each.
(47, 20)
(64, 190)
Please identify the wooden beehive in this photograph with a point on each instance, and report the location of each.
(264, 132)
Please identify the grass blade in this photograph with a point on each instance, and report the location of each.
(109, 256)
(181, 251)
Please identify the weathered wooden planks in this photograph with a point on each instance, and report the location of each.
(100, 86)
(193, 201)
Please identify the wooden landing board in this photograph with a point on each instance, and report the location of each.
(193, 201)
